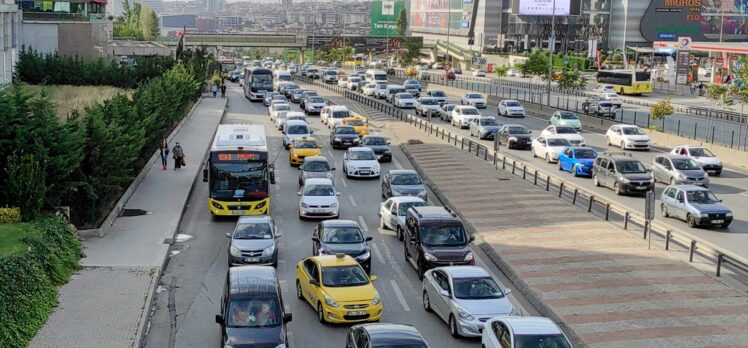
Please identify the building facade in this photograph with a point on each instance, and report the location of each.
(10, 18)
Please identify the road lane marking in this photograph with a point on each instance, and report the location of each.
(395, 265)
(399, 295)
(397, 163)
(342, 179)
(386, 232)
(377, 252)
(353, 201)
(363, 223)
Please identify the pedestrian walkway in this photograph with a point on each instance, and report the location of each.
(105, 304)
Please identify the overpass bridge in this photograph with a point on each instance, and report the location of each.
(243, 40)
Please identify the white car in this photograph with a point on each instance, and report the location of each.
(566, 132)
(280, 119)
(343, 82)
(360, 162)
(318, 199)
(438, 94)
(708, 161)
(392, 212)
(404, 100)
(463, 115)
(548, 147)
(424, 104)
(334, 114)
(605, 89)
(276, 108)
(612, 98)
(519, 332)
(473, 99)
(479, 73)
(368, 89)
(627, 137)
(513, 73)
(353, 83)
(293, 129)
(314, 105)
(380, 91)
(511, 108)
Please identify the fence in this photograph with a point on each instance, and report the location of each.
(609, 210)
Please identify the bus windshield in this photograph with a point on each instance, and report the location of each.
(239, 180)
(261, 82)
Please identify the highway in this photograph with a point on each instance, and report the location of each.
(191, 285)
(731, 186)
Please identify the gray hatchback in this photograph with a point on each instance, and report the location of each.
(678, 169)
(315, 167)
(403, 182)
(253, 241)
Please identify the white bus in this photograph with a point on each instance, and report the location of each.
(376, 76)
(257, 81)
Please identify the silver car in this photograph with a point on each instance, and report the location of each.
(253, 241)
(445, 112)
(465, 297)
(695, 205)
(315, 167)
(392, 212)
(678, 169)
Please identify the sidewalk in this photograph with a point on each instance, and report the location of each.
(105, 304)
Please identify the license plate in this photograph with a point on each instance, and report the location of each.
(364, 172)
(237, 212)
(251, 259)
(719, 221)
(641, 187)
(315, 211)
(356, 313)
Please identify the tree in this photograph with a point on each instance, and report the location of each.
(401, 23)
(148, 23)
(412, 52)
(25, 186)
(536, 64)
(662, 109)
(570, 81)
(501, 71)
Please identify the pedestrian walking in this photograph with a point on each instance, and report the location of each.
(693, 88)
(214, 89)
(178, 152)
(223, 91)
(164, 149)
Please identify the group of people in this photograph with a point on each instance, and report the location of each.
(215, 88)
(177, 153)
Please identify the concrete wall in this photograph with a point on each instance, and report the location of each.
(41, 37)
(84, 39)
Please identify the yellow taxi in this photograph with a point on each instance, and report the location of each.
(360, 124)
(338, 288)
(303, 147)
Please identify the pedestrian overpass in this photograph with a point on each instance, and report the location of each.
(242, 40)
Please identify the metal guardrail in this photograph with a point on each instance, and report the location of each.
(565, 190)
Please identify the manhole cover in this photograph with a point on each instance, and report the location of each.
(133, 212)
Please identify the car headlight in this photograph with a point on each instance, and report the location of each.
(697, 213)
(363, 256)
(282, 345)
(681, 176)
(376, 299)
(337, 139)
(728, 214)
(356, 140)
(334, 205)
(514, 312)
(429, 257)
(268, 251)
(625, 180)
(387, 151)
(464, 314)
(330, 302)
(469, 256)
(236, 252)
(512, 139)
(304, 205)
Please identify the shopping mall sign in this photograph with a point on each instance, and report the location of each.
(383, 16)
(701, 20)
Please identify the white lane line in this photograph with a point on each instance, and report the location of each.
(353, 201)
(399, 295)
(378, 253)
(397, 163)
(395, 265)
(342, 179)
(363, 223)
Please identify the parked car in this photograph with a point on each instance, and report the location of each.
(425, 104)
(360, 162)
(484, 127)
(566, 132)
(708, 161)
(522, 332)
(318, 198)
(623, 173)
(463, 115)
(696, 205)
(438, 94)
(515, 136)
(445, 112)
(479, 73)
(549, 147)
(448, 74)
(313, 167)
(380, 145)
(605, 89)
(333, 237)
(253, 241)
(511, 108)
(403, 182)
(473, 99)
(566, 118)
(344, 136)
(627, 137)
(465, 297)
(384, 335)
(404, 100)
(679, 170)
(577, 160)
(393, 210)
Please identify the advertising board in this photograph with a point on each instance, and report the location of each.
(383, 16)
(545, 7)
(441, 16)
(702, 20)
(360, 43)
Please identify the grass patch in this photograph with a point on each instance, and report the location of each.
(68, 98)
(11, 235)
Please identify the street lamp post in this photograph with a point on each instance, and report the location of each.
(551, 44)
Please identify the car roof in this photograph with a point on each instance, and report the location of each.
(374, 136)
(511, 100)
(316, 159)
(340, 223)
(531, 325)
(318, 181)
(360, 148)
(304, 138)
(402, 171)
(465, 271)
(406, 199)
(338, 107)
(690, 187)
(673, 156)
(335, 260)
(383, 333)
(434, 212)
(252, 280)
(254, 219)
(464, 107)
(628, 126)
(690, 146)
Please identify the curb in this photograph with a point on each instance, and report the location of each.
(532, 297)
(117, 209)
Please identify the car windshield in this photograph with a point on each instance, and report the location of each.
(632, 131)
(700, 152)
(403, 96)
(517, 130)
(361, 156)
(297, 129)
(630, 167)
(702, 197)
(443, 235)
(404, 206)
(356, 122)
(397, 90)
(399, 345)
(297, 91)
(316, 166)
(382, 86)
(253, 231)
(253, 312)
(585, 153)
(438, 94)
(291, 86)
(342, 235)
(280, 97)
(342, 276)
(310, 93)
(319, 190)
(345, 130)
(429, 102)
(305, 144)
(474, 96)
(685, 164)
(283, 107)
(478, 288)
(565, 130)
(541, 341)
(374, 141)
(406, 179)
(488, 122)
(331, 73)
(340, 114)
(315, 100)
(558, 142)
(513, 104)
(354, 79)
(449, 107)
(568, 116)
(470, 111)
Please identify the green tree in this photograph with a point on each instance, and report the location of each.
(536, 64)
(501, 71)
(148, 23)
(412, 52)
(570, 81)
(662, 109)
(25, 185)
(401, 23)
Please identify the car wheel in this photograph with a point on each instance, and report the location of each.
(623, 145)
(320, 313)
(299, 294)
(547, 158)
(595, 181)
(421, 269)
(426, 302)
(559, 165)
(607, 141)
(399, 233)
(617, 189)
(690, 221)
(534, 155)
(381, 223)
(663, 211)
(453, 327)
(574, 170)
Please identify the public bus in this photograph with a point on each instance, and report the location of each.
(227, 66)
(634, 82)
(237, 172)
(257, 81)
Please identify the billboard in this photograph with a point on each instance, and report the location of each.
(441, 16)
(383, 16)
(545, 7)
(360, 43)
(702, 20)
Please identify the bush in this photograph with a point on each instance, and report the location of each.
(25, 185)
(10, 215)
(28, 279)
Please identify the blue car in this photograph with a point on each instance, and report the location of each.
(577, 160)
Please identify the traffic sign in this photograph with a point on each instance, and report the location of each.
(649, 205)
(479, 61)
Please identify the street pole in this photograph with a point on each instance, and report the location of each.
(551, 44)
(625, 26)
(449, 19)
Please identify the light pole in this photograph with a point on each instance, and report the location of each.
(449, 19)
(625, 25)
(551, 44)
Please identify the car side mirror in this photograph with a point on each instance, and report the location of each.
(471, 239)
(298, 193)
(315, 239)
(314, 282)
(444, 293)
(228, 234)
(373, 278)
(300, 168)
(369, 239)
(219, 319)
(333, 168)
(507, 291)
(287, 317)
(719, 200)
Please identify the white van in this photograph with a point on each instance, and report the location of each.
(376, 76)
(281, 76)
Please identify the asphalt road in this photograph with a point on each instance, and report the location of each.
(731, 186)
(189, 295)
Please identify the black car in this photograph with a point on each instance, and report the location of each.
(252, 309)
(515, 136)
(342, 237)
(380, 146)
(384, 335)
(288, 91)
(435, 237)
(344, 136)
(622, 173)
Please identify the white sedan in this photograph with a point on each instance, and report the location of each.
(276, 108)
(368, 89)
(549, 148)
(360, 162)
(318, 199)
(404, 100)
(627, 137)
(392, 212)
(511, 108)
(473, 99)
(605, 89)
(566, 132)
(479, 73)
(343, 82)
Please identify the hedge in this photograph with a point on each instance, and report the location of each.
(29, 279)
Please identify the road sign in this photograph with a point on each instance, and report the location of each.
(479, 61)
(684, 43)
(649, 205)
(566, 60)
(489, 68)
